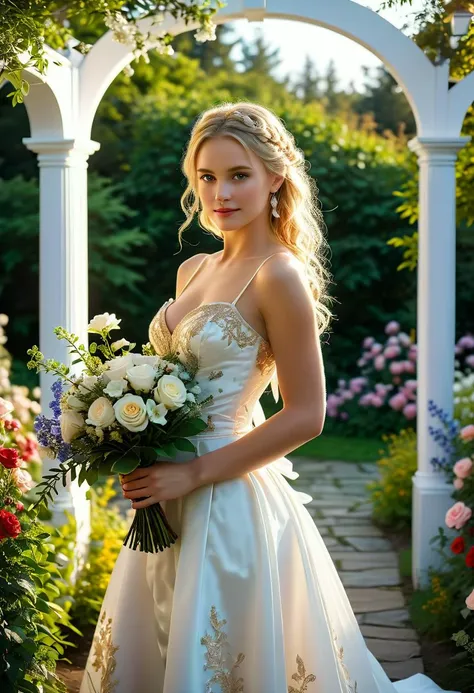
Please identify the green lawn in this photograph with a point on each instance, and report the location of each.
(327, 447)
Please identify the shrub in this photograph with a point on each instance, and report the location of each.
(392, 494)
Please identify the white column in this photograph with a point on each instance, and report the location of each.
(63, 283)
(435, 335)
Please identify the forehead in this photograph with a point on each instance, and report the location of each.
(223, 152)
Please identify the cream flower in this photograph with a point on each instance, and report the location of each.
(87, 384)
(72, 423)
(119, 344)
(171, 391)
(5, 407)
(103, 323)
(23, 479)
(156, 412)
(142, 377)
(75, 403)
(115, 388)
(101, 413)
(140, 359)
(131, 412)
(117, 367)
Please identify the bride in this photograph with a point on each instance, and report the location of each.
(248, 600)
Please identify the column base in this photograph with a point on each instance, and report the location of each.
(431, 500)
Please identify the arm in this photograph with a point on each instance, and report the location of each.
(286, 306)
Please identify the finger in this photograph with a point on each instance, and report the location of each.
(134, 476)
(133, 485)
(137, 505)
(139, 493)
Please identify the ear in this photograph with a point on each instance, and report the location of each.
(277, 182)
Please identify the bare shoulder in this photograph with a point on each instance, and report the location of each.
(187, 268)
(281, 281)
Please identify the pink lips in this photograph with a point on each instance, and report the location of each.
(225, 212)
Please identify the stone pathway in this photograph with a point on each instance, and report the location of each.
(366, 563)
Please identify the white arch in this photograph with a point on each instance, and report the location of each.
(402, 57)
(460, 97)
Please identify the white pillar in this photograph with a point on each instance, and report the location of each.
(435, 335)
(63, 283)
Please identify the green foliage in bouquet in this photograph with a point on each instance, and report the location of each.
(391, 495)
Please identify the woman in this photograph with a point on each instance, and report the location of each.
(248, 599)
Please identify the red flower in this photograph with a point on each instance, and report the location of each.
(12, 425)
(20, 506)
(457, 545)
(470, 558)
(9, 525)
(28, 448)
(9, 458)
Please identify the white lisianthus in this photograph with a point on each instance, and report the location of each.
(190, 397)
(101, 413)
(115, 346)
(72, 423)
(87, 384)
(156, 412)
(117, 367)
(131, 412)
(142, 377)
(171, 391)
(115, 388)
(184, 375)
(140, 359)
(103, 323)
(75, 403)
(196, 389)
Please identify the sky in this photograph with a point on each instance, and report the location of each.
(321, 44)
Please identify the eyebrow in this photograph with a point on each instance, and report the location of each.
(234, 168)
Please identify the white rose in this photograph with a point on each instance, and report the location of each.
(3, 319)
(156, 412)
(75, 403)
(140, 359)
(103, 323)
(87, 384)
(171, 391)
(101, 413)
(131, 412)
(142, 377)
(184, 375)
(23, 479)
(117, 367)
(72, 423)
(115, 346)
(196, 389)
(115, 388)
(190, 397)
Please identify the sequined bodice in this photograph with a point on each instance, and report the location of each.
(233, 362)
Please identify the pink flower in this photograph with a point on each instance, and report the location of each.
(396, 367)
(404, 339)
(470, 601)
(391, 352)
(411, 384)
(467, 433)
(379, 362)
(23, 479)
(376, 349)
(466, 342)
(397, 402)
(392, 327)
(356, 386)
(413, 352)
(458, 515)
(409, 411)
(12, 424)
(377, 401)
(366, 400)
(344, 416)
(5, 407)
(361, 362)
(367, 343)
(470, 361)
(463, 467)
(393, 340)
(409, 366)
(458, 483)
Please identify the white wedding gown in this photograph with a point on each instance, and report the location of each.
(248, 600)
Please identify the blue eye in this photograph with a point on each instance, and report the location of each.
(235, 174)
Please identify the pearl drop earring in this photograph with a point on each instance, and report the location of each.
(274, 202)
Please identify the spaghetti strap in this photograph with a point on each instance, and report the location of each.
(194, 274)
(279, 252)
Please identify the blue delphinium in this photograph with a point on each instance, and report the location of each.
(48, 431)
(446, 437)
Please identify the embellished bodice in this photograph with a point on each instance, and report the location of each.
(233, 362)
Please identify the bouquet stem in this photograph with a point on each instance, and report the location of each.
(150, 530)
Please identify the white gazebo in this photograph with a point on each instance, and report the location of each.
(61, 108)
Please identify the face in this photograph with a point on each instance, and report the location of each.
(229, 177)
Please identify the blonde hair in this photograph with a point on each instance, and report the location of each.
(300, 225)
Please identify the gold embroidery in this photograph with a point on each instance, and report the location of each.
(105, 655)
(301, 677)
(265, 360)
(216, 659)
(210, 425)
(158, 332)
(213, 375)
(351, 685)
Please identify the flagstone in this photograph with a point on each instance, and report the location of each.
(390, 617)
(369, 543)
(393, 650)
(367, 530)
(365, 562)
(380, 577)
(385, 633)
(364, 600)
(402, 670)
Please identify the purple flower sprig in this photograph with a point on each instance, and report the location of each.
(48, 430)
(445, 437)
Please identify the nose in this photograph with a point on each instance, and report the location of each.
(222, 193)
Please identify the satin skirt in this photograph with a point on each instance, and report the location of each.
(248, 600)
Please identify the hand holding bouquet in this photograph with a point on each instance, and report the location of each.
(119, 414)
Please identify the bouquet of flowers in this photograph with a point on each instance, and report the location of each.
(123, 411)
